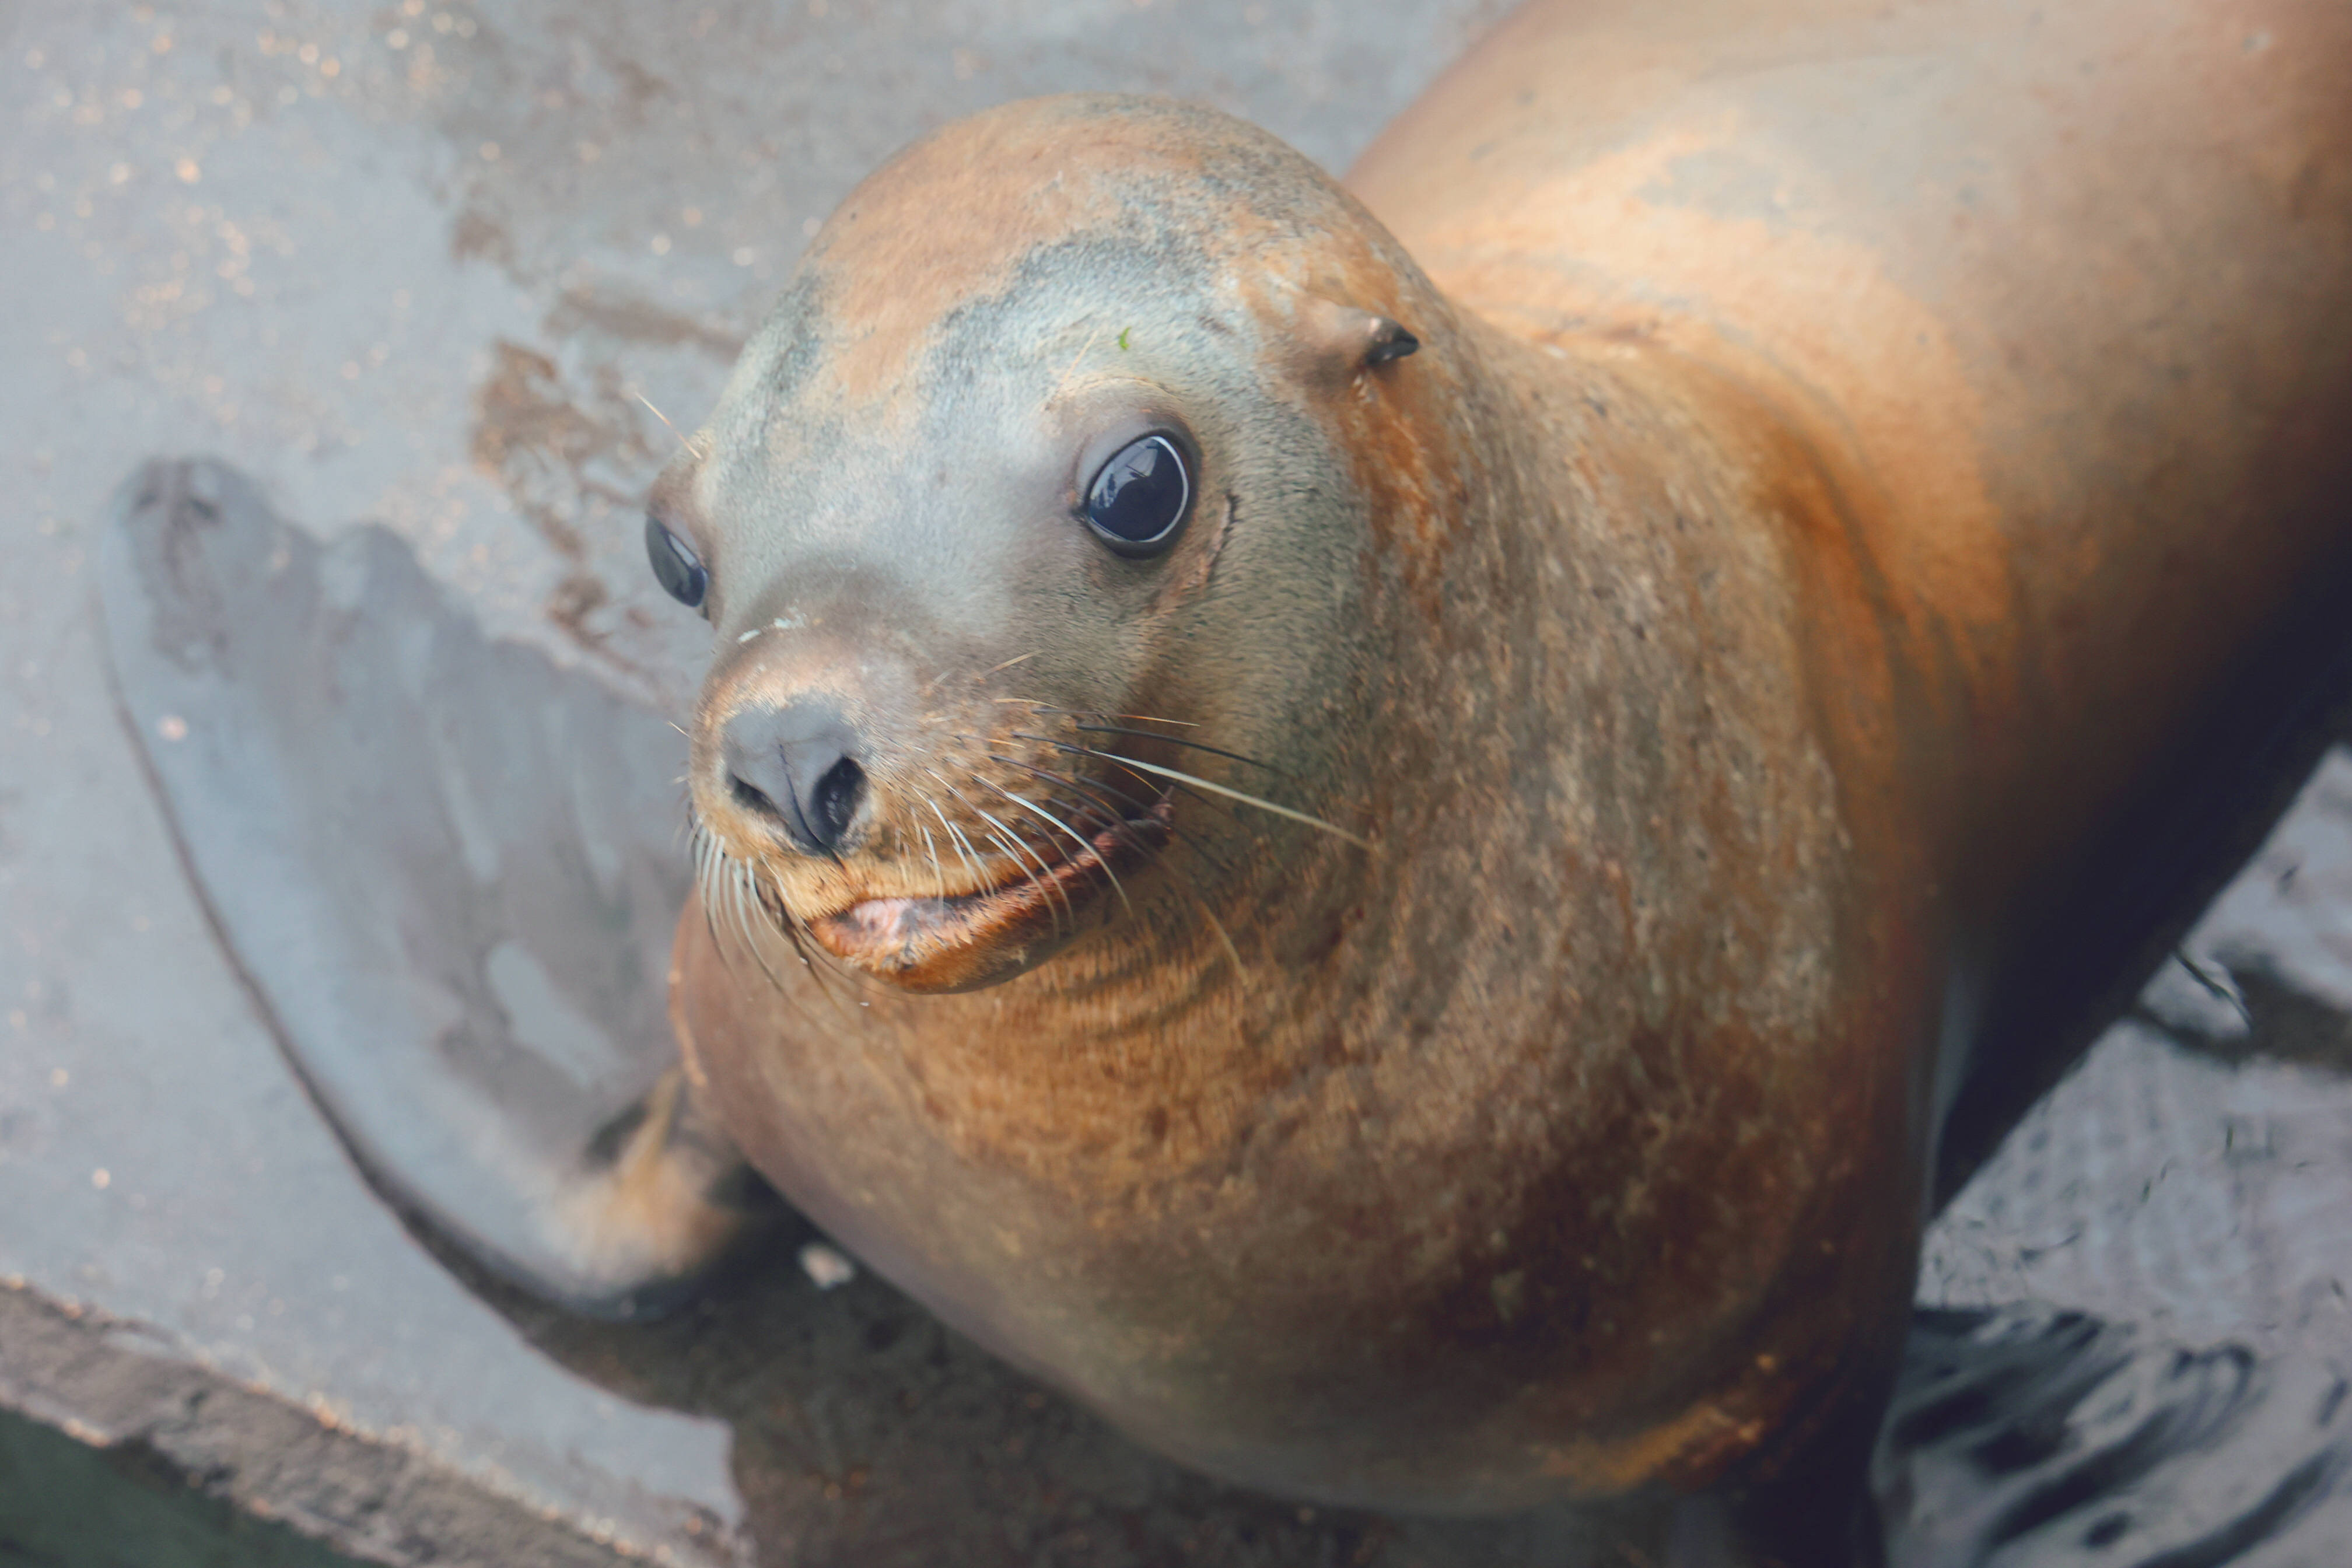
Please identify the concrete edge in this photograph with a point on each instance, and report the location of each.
(106, 1382)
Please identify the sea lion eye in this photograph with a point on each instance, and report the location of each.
(678, 568)
(1137, 501)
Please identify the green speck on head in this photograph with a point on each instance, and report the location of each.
(1123, 340)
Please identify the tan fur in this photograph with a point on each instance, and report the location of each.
(1722, 631)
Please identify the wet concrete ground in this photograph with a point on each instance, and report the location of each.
(439, 267)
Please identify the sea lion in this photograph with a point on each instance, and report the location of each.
(1375, 826)
(1402, 832)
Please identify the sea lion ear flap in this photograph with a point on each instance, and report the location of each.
(1351, 339)
(1388, 340)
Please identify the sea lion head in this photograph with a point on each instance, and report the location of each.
(1045, 528)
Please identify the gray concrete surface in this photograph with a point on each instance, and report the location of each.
(438, 266)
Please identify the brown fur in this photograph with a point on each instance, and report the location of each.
(1720, 630)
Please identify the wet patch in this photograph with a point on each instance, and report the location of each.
(2030, 1436)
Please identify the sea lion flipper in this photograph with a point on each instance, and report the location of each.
(446, 869)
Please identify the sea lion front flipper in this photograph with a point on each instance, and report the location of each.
(446, 868)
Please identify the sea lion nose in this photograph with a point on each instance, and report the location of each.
(792, 765)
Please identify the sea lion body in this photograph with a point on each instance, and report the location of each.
(1843, 454)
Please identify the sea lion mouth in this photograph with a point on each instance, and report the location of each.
(971, 939)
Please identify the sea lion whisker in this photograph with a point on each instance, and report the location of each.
(1121, 821)
(705, 888)
(1084, 847)
(657, 414)
(1183, 881)
(1013, 848)
(720, 879)
(979, 877)
(1119, 761)
(1187, 791)
(931, 847)
(1094, 713)
(955, 838)
(792, 926)
(735, 888)
(1225, 938)
(745, 884)
(716, 873)
(1244, 798)
(1005, 839)
(1046, 819)
(794, 932)
(738, 911)
(1135, 806)
(1200, 842)
(1173, 740)
(1079, 802)
(1194, 779)
(1046, 887)
(971, 852)
(1079, 789)
(722, 913)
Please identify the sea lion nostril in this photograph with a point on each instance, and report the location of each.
(835, 801)
(751, 797)
(793, 767)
